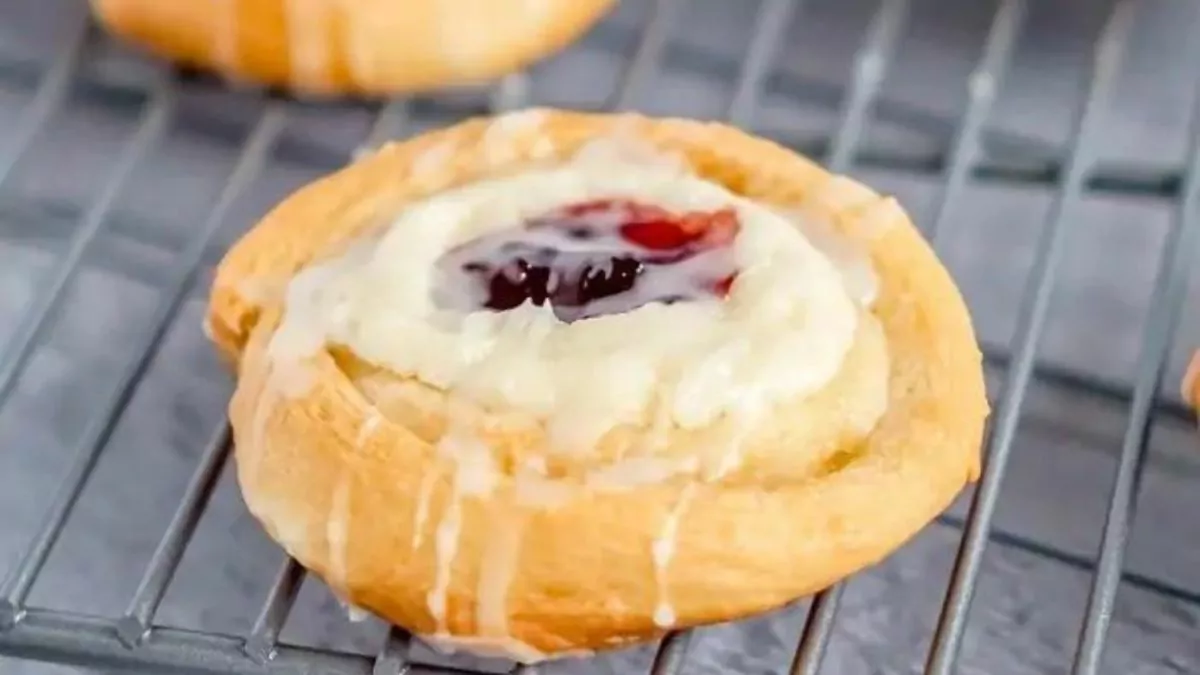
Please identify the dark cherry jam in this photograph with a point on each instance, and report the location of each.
(594, 258)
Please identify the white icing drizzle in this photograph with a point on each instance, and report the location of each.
(533, 488)
(500, 137)
(355, 613)
(475, 475)
(302, 332)
(309, 47)
(664, 546)
(663, 551)
(851, 260)
(337, 531)
(731, 455)
(446, 544)
(499, 565)
(421, 515)
(369, 426)
(430, 166)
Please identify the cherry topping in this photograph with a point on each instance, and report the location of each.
(722, 286)
(598, 250)
(659, 235)
(597, 281)
(517, 282)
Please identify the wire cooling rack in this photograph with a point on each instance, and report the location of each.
(81, 80)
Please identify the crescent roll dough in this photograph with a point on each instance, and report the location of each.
(367, 46)
(517, 546)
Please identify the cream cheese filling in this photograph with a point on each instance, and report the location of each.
(781, 333)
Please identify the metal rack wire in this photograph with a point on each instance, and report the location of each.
(134, 641)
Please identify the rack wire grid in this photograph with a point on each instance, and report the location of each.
(1070, 219)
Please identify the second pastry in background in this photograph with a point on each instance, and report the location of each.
(372, 47)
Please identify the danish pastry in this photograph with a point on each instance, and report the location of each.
(553, 382)
(364, 46)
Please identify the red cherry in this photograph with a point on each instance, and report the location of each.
(722, 287)
(716, 228)
(657, 235)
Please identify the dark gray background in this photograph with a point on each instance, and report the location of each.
(1029, 604)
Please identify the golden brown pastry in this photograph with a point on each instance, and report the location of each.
(367, 46)
(553, 382)
(1190, 387)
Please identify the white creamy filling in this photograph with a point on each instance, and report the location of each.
(781, 332)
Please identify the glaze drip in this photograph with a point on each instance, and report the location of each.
(663, 551)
